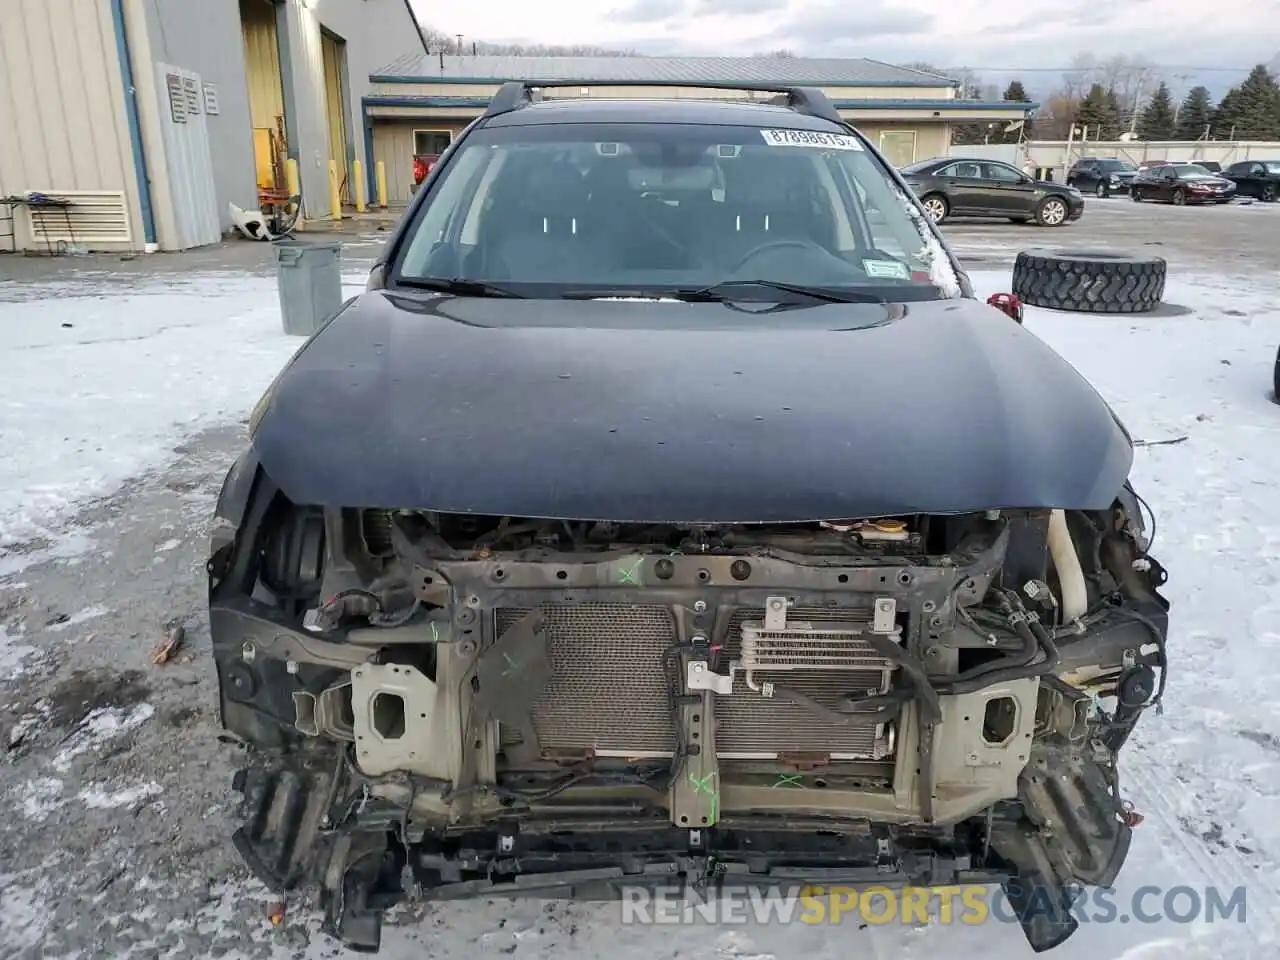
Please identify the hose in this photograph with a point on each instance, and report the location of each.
(998, 673)
(1075, 595)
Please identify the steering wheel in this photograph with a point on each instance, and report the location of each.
(776, 245)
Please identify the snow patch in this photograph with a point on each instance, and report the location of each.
(96, 798)
(39, 798)
(84, 407)
(168, 545)
(101, 725)
(15, 657)
(88, 613)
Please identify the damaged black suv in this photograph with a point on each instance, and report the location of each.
(669, 457)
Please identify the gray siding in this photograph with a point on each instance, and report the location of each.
(206, 38)
(375, 31)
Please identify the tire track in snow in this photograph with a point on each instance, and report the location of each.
(1221, 867)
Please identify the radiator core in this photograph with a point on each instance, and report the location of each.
(609, 691)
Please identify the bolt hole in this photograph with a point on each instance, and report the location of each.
(884, 579)
(693, 736)
(704, 819)
(562, 575)
(428, 580)
(697, 718)
(479, 744)
(499, 574)
(684, 819)
(904, 578)
(423, 716)
(704, 575)
(843, 578)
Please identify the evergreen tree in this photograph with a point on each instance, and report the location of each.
(1195, 113)
(1113, 123)
(1016, 93)
(1099, 112)
(1156, 120)
(1250, 111)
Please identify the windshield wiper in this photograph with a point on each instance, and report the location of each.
(723, 293)
(462, 288)
(720, 292)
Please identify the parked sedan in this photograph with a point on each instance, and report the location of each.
(1256, 178)
(957, 187)
(1180, 183)
(1102, 176)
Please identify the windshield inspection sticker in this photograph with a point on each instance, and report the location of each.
(810, 138)
(886, 270)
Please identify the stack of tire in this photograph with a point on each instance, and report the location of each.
(1089, 281)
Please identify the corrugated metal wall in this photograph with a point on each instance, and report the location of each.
(393, 145)
(62, 110)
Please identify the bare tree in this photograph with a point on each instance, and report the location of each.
(438, 41)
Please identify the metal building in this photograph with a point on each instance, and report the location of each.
(137, 122)
(418, 103)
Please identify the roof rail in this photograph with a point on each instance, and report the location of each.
(515, 94)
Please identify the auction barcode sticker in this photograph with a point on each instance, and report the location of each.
(810, 138)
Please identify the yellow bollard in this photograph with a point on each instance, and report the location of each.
(357, 177)
(382, 184)
(292, 180)
(335, 198)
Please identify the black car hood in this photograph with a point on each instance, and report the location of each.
(676, 412)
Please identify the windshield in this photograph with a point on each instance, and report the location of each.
(1114, 166)
(554, 210)
(1190, 170)
(1271, 166)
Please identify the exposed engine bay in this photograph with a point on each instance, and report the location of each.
(439, 706)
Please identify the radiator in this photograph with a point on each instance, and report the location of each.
(609, 692)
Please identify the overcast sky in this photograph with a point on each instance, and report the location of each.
(978, 33)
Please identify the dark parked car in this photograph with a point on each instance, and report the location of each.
(1256, 178)
(1181, 183)
(1213, 166)
(1102, 176)
(956, 187)
(669, 458)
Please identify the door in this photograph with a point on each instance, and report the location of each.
(187, 157)
(1013, 194)
(264, 79)
(1166, 183)
(967, 191)
(334, 51)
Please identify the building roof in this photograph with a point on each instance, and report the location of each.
(793, 71)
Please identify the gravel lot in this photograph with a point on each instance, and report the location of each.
(114, 841)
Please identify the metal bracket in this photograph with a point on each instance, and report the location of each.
(884, 619)
(775, 613)
(700, 676)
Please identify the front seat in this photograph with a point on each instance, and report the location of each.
(534, 229)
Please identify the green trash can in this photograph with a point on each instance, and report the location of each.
(309, 277)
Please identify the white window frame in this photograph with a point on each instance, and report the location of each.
(915, 143)
(413, 137)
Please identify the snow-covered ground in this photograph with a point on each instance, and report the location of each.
(99, 390)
